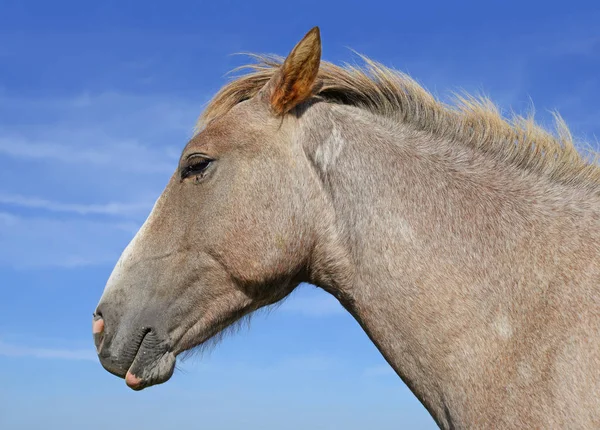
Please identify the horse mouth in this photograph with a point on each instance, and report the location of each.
(144, 362)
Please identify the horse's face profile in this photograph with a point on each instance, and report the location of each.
(229, 234)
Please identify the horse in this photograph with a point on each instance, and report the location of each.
(464, 242)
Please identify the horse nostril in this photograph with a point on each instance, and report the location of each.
(98, 330)
(98, 326)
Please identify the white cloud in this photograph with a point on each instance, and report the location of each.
(113, 208)
(123, 112)
(8, 350)
(44, 242)
(109, 130)
(106, 152)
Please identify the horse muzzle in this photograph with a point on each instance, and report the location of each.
(136, 351)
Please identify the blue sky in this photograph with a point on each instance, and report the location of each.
(97, 99)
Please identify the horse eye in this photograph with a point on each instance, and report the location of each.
(196, 168)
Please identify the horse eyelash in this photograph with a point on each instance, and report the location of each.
(192, 169)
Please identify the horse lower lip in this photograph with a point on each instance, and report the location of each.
(159, 371)
(133, 381)
(153, 363)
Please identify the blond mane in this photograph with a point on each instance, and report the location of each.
(473, 121)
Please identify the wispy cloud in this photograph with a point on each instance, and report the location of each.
(120, 112)
(8, 350)
(108, 130)
(125, 155)
(63, 159)
(113, 208)
(43, 242)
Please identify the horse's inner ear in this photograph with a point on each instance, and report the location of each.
(294, 82)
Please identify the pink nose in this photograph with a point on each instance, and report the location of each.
(98, 326)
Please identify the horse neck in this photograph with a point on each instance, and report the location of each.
(437, 238)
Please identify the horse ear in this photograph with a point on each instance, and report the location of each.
(295, 80)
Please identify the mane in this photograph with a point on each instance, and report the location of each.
(473, 121)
